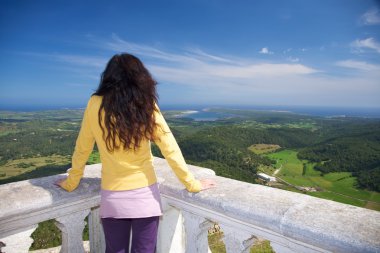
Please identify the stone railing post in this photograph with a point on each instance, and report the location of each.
(196, 228)
(72, 226)
(97, 241)
(170, 230)
(18, 243)
(236, 240)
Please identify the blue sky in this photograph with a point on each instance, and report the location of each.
(316, 52)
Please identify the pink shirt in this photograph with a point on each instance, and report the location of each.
(137, 203)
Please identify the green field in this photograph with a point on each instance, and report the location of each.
(216, 245)
(20, 166)
(263, 148)
(337, 186)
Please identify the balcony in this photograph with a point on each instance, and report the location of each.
(292, 222)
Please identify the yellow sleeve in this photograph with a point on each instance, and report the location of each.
(173, 155)
(83, 148)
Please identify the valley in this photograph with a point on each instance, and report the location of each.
(331, 158)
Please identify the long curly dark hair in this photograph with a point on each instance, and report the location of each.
(129, 101)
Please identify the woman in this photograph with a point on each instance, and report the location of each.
(122, 117)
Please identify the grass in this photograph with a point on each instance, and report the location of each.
(47, 235)
(269, 170)
(263, 148)
(337, 186)
(20, 166)
(339, 198)
(216, 244)
(310, 171)
(94, 157)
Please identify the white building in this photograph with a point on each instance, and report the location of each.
(266, 177)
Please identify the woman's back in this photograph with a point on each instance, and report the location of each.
(126, 169)
(121, 169)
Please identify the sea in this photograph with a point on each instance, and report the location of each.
(202, 113)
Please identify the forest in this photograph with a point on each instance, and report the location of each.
(335, 144)
(349, 149)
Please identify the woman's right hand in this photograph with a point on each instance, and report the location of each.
(207, 184)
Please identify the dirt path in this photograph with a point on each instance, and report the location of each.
(277, 171)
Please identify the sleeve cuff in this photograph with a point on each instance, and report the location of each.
(196, 186)
(66, 186)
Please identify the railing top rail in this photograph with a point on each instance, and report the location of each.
(40, 193)
(325, 224)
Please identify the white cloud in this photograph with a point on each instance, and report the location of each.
(211, 75)
(265, 50)
(371, 17)
(196, 61)
(197, 76)
(201, 55)
(359, 65)
(268, 89)
(120, 45)
(370, 43)
(89, 61)
(263, 69)
(293, 59)
(211, 78)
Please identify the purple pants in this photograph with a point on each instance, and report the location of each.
(144, 234)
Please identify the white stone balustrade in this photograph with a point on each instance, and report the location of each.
(292, 222)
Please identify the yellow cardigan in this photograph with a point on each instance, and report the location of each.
(125, 169)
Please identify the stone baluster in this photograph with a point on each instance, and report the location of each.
(19, 242)
(72, 226)
(97, 240)
(170, 230)
(236, 240)
(196, 229)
